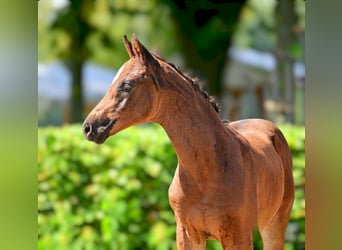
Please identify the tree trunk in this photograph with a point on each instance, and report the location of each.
(76, 93)
(210, 69)
(73, 23)
(205, 29)
(285, 21)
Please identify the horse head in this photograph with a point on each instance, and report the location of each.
(130, 99)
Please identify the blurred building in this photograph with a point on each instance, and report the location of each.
(250, 86)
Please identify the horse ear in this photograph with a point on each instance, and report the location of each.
(141, 51)
(128, 47)
(146, 57)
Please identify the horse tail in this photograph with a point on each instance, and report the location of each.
(284, 152)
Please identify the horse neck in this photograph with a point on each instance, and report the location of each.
(196, 131)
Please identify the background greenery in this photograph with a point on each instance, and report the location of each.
(114, 196)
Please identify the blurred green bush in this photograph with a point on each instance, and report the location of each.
(114, 195)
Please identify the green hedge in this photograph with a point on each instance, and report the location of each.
(114, 195)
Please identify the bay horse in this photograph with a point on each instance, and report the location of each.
(231, 176)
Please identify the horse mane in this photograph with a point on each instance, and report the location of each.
(196, 84)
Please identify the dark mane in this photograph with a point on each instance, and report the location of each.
(195, 82)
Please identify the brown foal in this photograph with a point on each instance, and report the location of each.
(231, 176)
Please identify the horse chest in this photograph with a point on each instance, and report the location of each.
(201, 218)
(200, 211)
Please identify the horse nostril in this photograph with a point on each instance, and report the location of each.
(87, 129)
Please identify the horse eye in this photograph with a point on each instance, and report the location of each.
(126, 86)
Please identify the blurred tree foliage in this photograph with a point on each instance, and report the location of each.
(205, 29)
(114, 196)
(93, 30)
(107, 21)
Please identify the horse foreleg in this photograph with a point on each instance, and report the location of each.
(245, 242)
(236, 234)
(189, 238)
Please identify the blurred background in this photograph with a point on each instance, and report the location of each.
(249, 54)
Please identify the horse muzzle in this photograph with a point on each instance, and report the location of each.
(97, 130)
